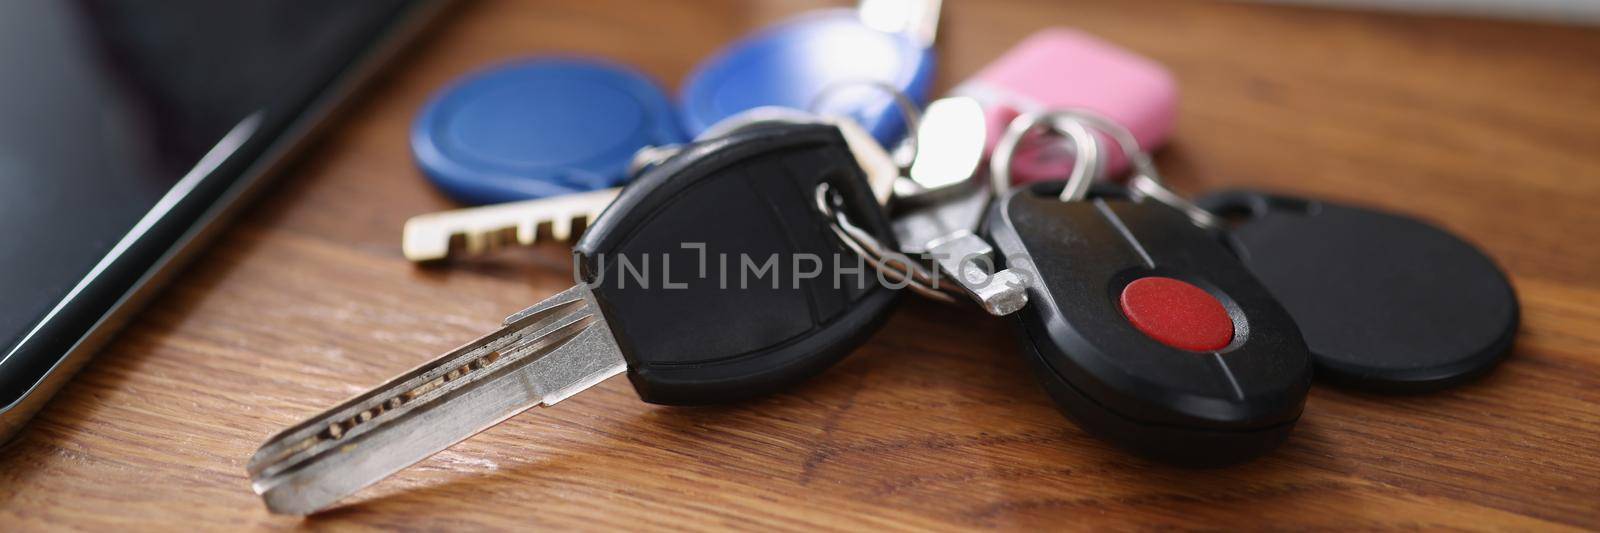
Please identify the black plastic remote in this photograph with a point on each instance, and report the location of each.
(1147, 331)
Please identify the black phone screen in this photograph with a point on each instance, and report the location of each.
(122, 122)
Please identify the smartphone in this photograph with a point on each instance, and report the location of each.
(130, 130)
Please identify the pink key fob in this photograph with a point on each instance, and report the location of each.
(1061, 67)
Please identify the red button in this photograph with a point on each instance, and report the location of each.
(1177, 314)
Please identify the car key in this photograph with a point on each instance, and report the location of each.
(1386, 302)
(683, 335)
(1143, 327)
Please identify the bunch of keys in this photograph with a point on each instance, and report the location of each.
(1132, 304)
(828, 201)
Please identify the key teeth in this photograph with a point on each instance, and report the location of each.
(478, 230)
(528, 233)
(424, 241)
(561, 229)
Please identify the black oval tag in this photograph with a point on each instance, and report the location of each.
(1385, 302)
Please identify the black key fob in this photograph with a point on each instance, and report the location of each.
(722, 279)
(1385, 302)
(1147, 331)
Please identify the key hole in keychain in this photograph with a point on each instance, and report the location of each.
(1237, 209)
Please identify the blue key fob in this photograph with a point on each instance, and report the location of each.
(539, 128)
(791, 63)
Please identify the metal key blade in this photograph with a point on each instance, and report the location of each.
(541, 355)
(429, 237)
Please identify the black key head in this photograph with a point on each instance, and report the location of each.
(1385, 302)
(1147, 331)
(719, 276)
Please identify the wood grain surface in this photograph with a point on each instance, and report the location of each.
(1491, 129)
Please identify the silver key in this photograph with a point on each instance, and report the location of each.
(941, 202)
(476, 230)
(540, 356)
(943, 234)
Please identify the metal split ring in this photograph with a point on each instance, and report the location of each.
(898, 266)
(909, 110)
(1087, 164)
(1145, 182)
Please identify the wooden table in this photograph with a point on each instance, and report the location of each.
(1490, 128)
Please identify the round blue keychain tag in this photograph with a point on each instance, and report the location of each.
(801, 62)
(539, 128)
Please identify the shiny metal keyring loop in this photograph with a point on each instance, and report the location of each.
(1145, 186)
(1145, 182)
(891, 263)
(909, 110)
(1087, 164)
(1137, 156)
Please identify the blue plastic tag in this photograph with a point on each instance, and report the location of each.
(540, 128)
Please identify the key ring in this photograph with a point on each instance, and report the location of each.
(1146, 181)
(1148, 187)
(909, 111)
(1087, 165)
(889, 262)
